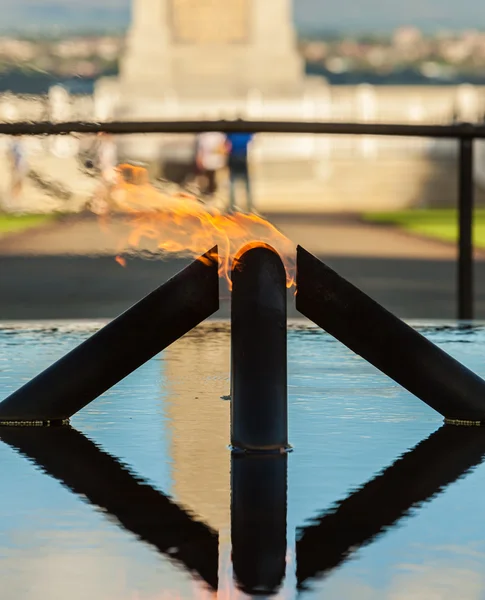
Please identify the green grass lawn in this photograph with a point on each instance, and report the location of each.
(18, 223)
(440, 224)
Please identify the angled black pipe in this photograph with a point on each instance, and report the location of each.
(388, 343)
(415, 478)
(119, 348)
(259, 407)
(68, 456)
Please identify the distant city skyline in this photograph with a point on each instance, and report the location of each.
(310, 15)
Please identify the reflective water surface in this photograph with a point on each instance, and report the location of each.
(134, 501)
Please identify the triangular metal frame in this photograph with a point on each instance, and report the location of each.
(332, 303)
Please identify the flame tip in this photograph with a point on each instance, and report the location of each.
(121, 261)
(178, 223)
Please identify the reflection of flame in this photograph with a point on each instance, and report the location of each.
(227, 587)
(228, 592)
(179, 223)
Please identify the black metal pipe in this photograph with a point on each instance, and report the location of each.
(388, 343)
(415, 478)
(258, 521)
(465, 245)
(119, 348)
(459, 130)
(259, 407)
(66, 455)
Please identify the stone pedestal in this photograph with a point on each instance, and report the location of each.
(211, 49)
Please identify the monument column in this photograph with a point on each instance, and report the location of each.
(145, 68)
(273, 60)
(272, 27)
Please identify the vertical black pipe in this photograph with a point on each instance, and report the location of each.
(259, 419)
(465, 244)
(258, 521)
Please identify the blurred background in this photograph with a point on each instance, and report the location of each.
(382, 210)
(84, 220)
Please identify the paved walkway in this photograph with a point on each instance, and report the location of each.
(348, 236)
(67, 270)
(323, 235)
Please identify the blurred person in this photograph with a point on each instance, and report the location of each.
(19, 167)
(237, 147)
(107, 158)
(210, 159)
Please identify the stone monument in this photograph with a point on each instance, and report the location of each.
(211, 48)
(184, 58)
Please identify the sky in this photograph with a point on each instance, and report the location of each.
(372, 15)
(345, 15)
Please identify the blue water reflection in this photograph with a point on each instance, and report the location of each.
(167, 424)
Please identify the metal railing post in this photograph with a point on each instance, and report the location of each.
(465, 223)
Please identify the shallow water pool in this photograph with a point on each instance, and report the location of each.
(134, 502)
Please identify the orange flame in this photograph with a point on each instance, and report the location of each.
(121, 261)
(179, 223)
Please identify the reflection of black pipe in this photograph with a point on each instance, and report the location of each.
(416, 477)
(387, 342)
(72, 459)
(258, 521)
(120, 347)
(259, 415)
